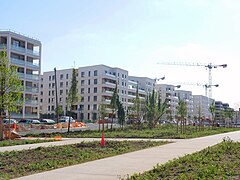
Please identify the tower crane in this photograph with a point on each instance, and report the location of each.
(206, 86)
(209, 66)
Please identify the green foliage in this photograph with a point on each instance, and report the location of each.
(10, 88)
(154, 109)
(47, 158)
(121, 114)
(21, 142)
(114, 102)
(218, 162)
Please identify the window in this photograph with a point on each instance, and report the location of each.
(88, 107)
(52, 93)
(122, 91)
(49, 85)
(49, 78)
(89, 73)
(41, 93)
(66, 91)
(95, 90)
(82, 74)
(53, 85)
(89, 82)
(95, 73)
(82, 99)
(122, 83)
(82, 90)
(61, 92)
(88, 98)
(82, 82)
(66, 76)
(95, 107)
(122, 75)
(61, 84)
(48, 108)
(49, 93)
(52, 108)
(88, 90)
(94, 98)
(61, 77)
(60, 99)
(41, 100)
(67, 84)
(52, 100)
(53, 77)
(95, 81)
(41, 86)
(49, 100)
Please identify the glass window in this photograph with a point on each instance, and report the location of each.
(61, 76)
(50, 77)
(82, 82)
(95, 73)
(95, 81)
(82, 74)
(88, 98)
(89, 90)
(82, 90)
(95, 90)
(95, 107)
(94, 98)
(61, 84)
(66, 76)
(89, 73)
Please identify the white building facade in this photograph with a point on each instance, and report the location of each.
(201, 106)
(25, 53)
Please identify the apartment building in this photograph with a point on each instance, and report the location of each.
(25, 53)
(201, 106)
(167, 92)
(187, 97)
(96, 85)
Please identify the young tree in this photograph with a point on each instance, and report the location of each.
(73, 97)
(154, 109)
(114, 102)
(182, 112)
(102, 113)
(212, 110)
(121, 114)
(10, 89)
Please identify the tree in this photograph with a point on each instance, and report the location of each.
(10, 89)
(212, 110)
(73, 97)
(229, 113)
(121, 114)
(114, 102)
(58, 110)
(102, 113)
(182, 112)
(154, 109)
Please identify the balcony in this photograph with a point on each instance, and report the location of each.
(31, 89)
(18, 48)
(3, 46)
(32, 65)
(32, 52)
(32, 77)
(21, 75)
(31, 102)
(109, 83)
(110, 75)
(16, 61)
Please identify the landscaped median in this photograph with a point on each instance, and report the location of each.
(160, 132)
(221, 161)
(20, 141)
(20, 163)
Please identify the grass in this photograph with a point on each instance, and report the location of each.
(218, 162)
(23, 141)
(160, 132)
(20, 163)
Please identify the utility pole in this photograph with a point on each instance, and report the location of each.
(55, 74)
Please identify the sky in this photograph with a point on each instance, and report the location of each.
(139, 36)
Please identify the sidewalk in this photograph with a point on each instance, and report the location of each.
(123, 165)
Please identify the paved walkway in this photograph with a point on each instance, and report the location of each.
(123, 165)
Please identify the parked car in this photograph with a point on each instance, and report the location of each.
(12, 121)
(65, 119)
(29, 121)
(47, 121)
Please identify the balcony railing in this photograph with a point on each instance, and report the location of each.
(109, 83)
(17, 61)
(18, 48)
(31, 102)
(111, 75)
(32, 77)
(32, 89)
(32, 65)
(3, 46)
(21, 75)
(31, 52)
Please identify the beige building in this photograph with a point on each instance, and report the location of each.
(25, 53)
(95, 87)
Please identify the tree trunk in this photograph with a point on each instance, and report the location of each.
(1, 126)
(70, 115)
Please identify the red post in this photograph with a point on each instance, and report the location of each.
(102, 144)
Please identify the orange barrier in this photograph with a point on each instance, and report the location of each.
(58, 138)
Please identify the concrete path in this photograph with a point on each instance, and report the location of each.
(127, 164)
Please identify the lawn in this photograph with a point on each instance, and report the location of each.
(20, 163)
(218, 162)
(23, 141)
(160, 132)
